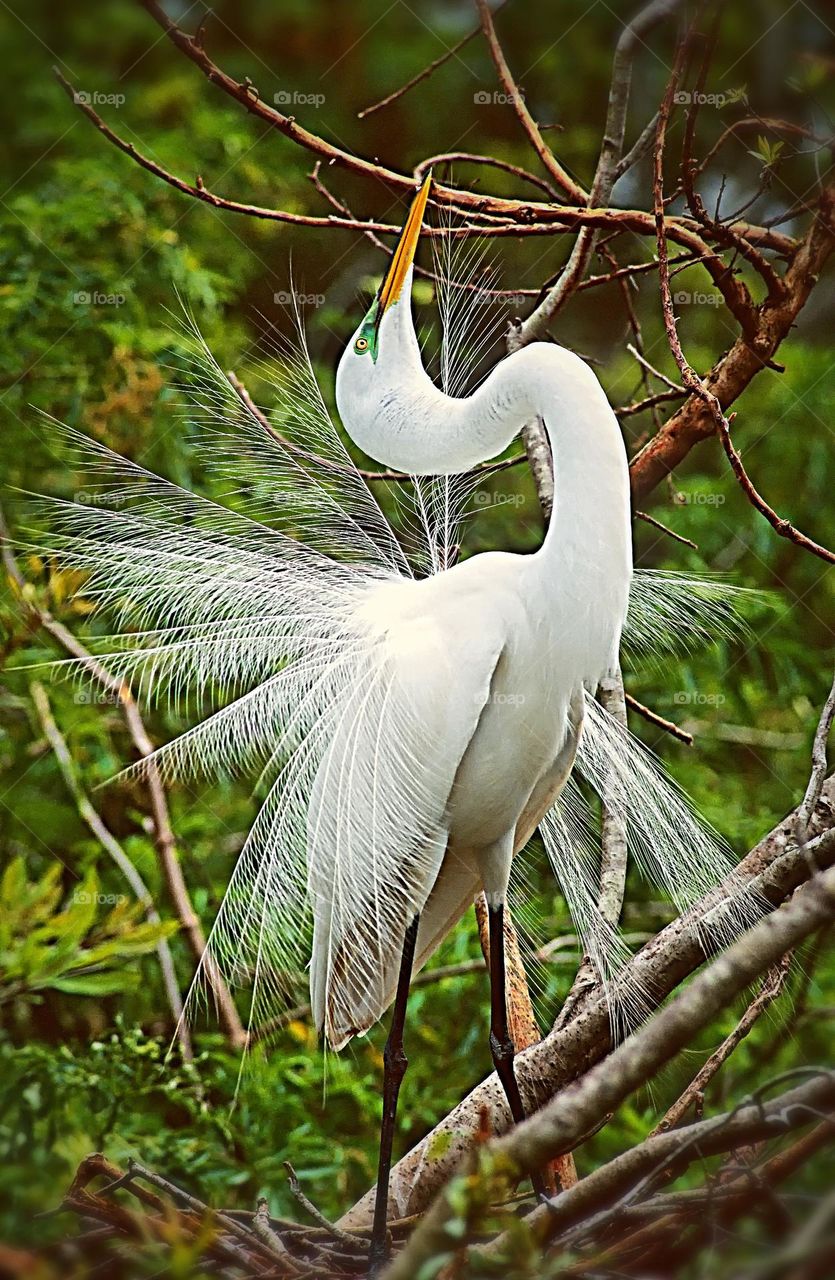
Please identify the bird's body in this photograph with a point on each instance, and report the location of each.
(491, 656)
(413, 731)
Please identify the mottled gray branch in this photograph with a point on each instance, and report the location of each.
(116, 853)
(773, 869)
(577, 1109)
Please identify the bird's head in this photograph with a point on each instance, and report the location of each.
(383, 352)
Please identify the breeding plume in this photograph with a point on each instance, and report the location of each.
(414, 720)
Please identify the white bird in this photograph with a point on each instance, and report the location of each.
(413, 732)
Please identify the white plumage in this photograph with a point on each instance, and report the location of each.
(411, 731)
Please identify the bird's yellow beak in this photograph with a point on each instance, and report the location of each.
(404, 254)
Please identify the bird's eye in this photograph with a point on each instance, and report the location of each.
(361, 344)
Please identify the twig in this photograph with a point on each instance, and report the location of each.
(633, 35)
(549, 161)
(346, 1237)
(117, 854)
(650, 368)
(691, 379)
(772, 986)
(671, 533)
(163, 832)
(425, 73)
(719, 230)
(818, 773)
(648, 402)
(659, 721)
(260, 1223)
(470, 157)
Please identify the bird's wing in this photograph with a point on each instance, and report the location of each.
(377, 830)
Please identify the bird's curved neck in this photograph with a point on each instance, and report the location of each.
(418, 428)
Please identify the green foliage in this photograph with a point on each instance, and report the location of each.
(47, 946)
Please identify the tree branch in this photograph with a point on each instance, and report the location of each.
(772, 870)
(575, 1111)
(116, 853)
(818, 773)
(163, 832)
(691, 379)
(772, 986)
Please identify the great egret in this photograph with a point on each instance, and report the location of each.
(413, 731)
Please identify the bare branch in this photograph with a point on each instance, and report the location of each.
(633, 34)
(815, 785)
(691, 379)
(772, 870)
(659, 721)
(772, 986)
(549, 161)
(116, 853)
(163, 833)
(671, 533)
(613, 847)
(574, 1112)
(426, 72)
(694, 421)
(609, 1185)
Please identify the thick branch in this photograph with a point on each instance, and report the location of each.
(116, 853)
(163, 832)
(774, 868)
(575, 1111)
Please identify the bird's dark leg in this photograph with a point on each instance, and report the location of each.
(396, 1063)
(501, 1045)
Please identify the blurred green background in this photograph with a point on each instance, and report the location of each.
(94, 253)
